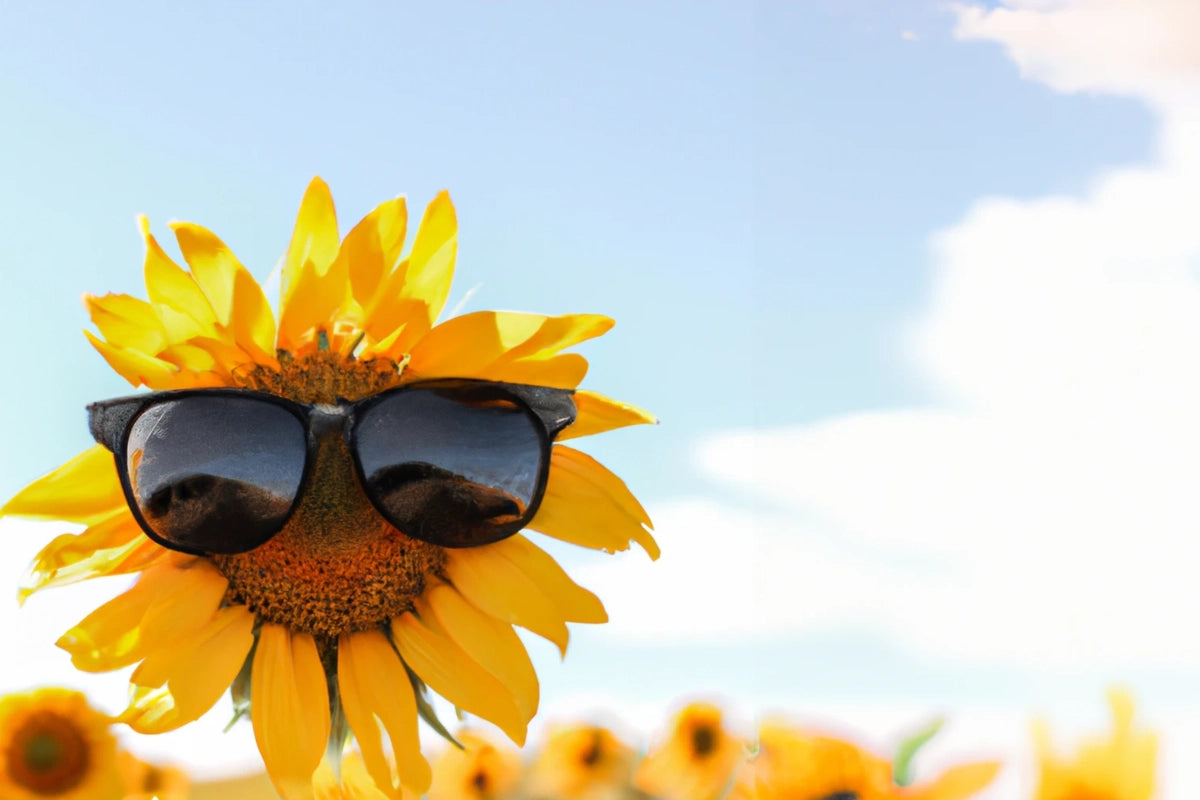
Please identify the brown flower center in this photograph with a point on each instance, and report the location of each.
(480, 781)
(48, 754)
(336, 566)
(704, 741)
(591, 756)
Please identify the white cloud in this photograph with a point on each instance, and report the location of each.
(1046, 511)
(1143, 48)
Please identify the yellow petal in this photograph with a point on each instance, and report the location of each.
(86, 490)
(111, 546)
(253, 320)
(189, 357)
(372, 248)
(957, 783)
(134, 556)
(196, 671)
(168, 603)
(213, 265)
(464, 346)
(137, 367)
(311, 306)
(289, 706)
(588, 505)
(506, 345)
(431, 262)
(355, 782)
(315, 243)
(453, 674)
(374, 685)
(126, 322)
(170, 286)
(489, 641)
(394, 333)
(236, 298)
(514, 581)
(555, 334)
(597, 414)
(481, 345)
(563, 371)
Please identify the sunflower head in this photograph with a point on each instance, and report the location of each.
(146, 781)
(1120, 766)
(582, 762)
(793, 763)
(53, 744)
(482, 769)
(697, 760)
(331, 595)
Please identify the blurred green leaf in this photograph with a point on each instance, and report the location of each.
(906, 753)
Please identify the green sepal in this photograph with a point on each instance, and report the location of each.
(239, 690)
(425, 710)
(906, 752)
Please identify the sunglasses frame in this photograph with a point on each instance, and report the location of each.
(111, 424)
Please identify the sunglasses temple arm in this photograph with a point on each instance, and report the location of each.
(107, 421)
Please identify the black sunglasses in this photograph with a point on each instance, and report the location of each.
(458, 463)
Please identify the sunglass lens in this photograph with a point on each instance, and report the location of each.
(215, 474)
(454, 471)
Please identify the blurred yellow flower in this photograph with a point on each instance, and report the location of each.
(795, 765)
(338, 598)
(146, 781)
(697, 760)
(1119, 767)
(484, 770)
(581, 762)
(792, 764)
(53, 744)
(353, 782)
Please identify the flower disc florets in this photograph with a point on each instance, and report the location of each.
(336, 567)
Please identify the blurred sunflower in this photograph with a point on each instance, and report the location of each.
(146, 781)
(338, 622)
(480, 770)
(53, 744)
(581, 762)
(1120, 767)
(697, 760)
(350, 782)
(794, 765)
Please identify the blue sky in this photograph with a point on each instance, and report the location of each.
(754, 191)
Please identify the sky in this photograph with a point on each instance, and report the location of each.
(911, 287)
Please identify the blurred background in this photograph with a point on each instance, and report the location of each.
(912, 288)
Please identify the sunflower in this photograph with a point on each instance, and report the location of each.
(796, 765)
(53, 744)
(1120, 767)
(581, 762)
(340, 624)
(146, 781)
(351, 782)
(480, 770)
(697, 760)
